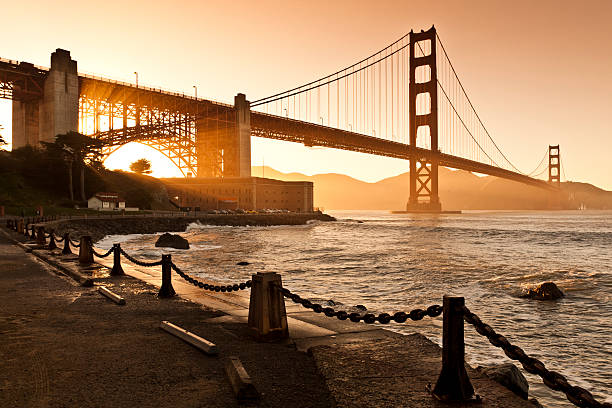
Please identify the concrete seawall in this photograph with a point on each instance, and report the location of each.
(97, 228)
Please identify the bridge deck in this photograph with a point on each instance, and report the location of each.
(311, 134)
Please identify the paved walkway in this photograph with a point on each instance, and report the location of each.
(361, 365)
(63, 345)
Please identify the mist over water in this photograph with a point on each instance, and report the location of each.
(396, 262)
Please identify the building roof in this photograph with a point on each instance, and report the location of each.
(109, 197)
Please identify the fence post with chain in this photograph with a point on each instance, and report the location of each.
(85, 250)
(453, 383)
(66, 250)
(52, 244)
(40, 236)
(166, 290)
(267, 315)
(117, 269)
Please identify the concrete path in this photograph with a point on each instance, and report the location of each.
(361, 365)
(64, 345)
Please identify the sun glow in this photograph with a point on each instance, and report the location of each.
(161, 166)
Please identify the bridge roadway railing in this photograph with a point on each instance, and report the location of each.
(312, 134)
(268, 321)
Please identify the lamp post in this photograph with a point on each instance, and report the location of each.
(196, 91)
(136, 73)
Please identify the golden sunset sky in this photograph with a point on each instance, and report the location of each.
(538, 72)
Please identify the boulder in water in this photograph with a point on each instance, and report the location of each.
(242, 263)
(172, 241)
(509, 376)
(544, 291)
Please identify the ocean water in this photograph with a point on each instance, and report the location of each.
(397, 262)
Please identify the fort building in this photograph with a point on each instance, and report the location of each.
(247, 193)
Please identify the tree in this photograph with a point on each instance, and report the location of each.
(141, 166)
(2, 141)
(74, 147)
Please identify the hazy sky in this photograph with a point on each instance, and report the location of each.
(538, 72)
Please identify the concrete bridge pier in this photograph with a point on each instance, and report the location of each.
(224, 142)
(56, 112)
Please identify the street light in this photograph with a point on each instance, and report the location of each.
(196, 91)
(136, 73)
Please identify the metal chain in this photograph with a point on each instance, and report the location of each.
(58, 240)
(384, 318)
(73, 243)
(552, 379)
(206, 286)
(110, 251)
(140, 263)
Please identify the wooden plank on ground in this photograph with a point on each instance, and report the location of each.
(241, 381)
(111, 295)
(191, 338)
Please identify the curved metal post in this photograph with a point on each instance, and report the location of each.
(66, 250)
(166, 290)
(117, 269)
(453, 383)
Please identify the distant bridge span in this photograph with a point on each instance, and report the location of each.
(405, 101)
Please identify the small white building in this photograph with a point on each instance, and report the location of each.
(106, 202)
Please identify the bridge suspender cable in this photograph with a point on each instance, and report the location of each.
(472, 106)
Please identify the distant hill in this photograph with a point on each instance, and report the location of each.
(459, 190)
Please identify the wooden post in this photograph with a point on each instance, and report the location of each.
(267, 315)
(166, 290)
(85, 250)
(117, 269)
(453, 383)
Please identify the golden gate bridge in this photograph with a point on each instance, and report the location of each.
(405, 101)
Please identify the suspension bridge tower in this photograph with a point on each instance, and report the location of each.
(423, 120)
(554, 165)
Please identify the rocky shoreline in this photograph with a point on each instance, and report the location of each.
(99, 227)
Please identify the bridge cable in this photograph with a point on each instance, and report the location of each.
(472, 106)
(259, 101)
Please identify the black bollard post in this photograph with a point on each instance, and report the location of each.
(40, 236)
(166, 290)
(86, 250)
(117, 269)
(453, 383)
(66, 250)
(267, 314)
(52, 244)
(33, 232)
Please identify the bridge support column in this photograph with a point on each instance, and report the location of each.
(57, 112)
(223, 141)
(243, 134)
(423, 117)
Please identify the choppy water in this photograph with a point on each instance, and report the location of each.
(393, 262)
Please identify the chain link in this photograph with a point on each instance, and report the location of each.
(140, 263)
(58, 240)
(214, 288)
(384, 318)
(552, 379)
(77, 245)
(110, 251)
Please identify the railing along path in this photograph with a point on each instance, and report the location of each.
(453, 384)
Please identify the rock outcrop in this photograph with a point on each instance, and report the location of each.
(544, 291)
(509, 376)
(172, 241)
